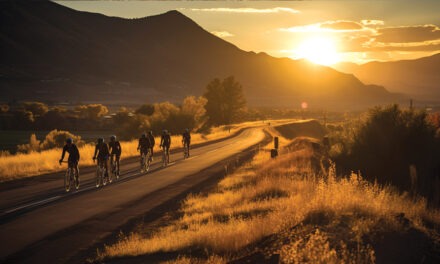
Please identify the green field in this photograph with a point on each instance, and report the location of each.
(9, 139)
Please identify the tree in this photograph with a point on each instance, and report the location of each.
(195, 108)
(92, 111)
(145, 109)
(226, 101)
(36, 108)
(389, 142)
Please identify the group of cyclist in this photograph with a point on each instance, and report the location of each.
(111, 152)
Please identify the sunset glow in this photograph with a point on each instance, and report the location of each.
(319, 50)
(318, 31)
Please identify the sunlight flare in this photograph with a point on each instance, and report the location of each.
(319, 50)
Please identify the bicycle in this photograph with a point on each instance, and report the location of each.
(69, 177)
(101, 179)
(185, 150)
(145, 162)
(165, 156)
(114, 166)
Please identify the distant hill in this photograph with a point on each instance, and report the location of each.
(418, 78)
(51, 52)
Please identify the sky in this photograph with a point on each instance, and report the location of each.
(325, 32)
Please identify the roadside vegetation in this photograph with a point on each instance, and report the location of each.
(391, 145)
(292, 209)
(45, 161)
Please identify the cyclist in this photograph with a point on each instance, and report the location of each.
(186, 139)
(115, 151)
(103, 154)
(144, 145)
(73, 159)
(152, 142)
(165, 142)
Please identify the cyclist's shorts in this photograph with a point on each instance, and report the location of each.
(72, 162)
(103, 157)
(144, 150)
(117, 154)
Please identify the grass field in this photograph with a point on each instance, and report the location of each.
(9, 139)
(310, 214)
(36, 163)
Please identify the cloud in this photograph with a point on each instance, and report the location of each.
(371, 36)
(247, 10)
(372, 22)
(341, 25)
(222, 34)
(328, 26)
(408, 34)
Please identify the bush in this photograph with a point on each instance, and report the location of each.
(54, 139)
(389, 142)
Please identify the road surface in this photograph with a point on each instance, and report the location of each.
(39, 222)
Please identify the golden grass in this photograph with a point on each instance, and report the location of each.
(268, 196)
(36, 163)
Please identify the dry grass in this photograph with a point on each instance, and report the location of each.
(36, 163)
(266, 197)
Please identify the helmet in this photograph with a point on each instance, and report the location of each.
(144, 135)
(113, 138)
(100, 140)
(164, 131)
(69, 141)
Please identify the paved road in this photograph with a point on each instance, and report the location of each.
(40, 215)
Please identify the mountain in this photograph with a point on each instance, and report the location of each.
(418, 78)
(51, 52)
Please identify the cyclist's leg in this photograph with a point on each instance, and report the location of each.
(141, 157)
(112, 160)
(189, 144)
(106, 165)
(118, 158)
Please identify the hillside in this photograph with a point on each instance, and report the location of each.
(51, 52)
(292, 209)
(418, 78)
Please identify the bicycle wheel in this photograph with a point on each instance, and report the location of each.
(110, 177)
(67, 179)
(117, 170)
(164, 158)
(143, 163)
(148, 163)
(76, 179)
(98, 177)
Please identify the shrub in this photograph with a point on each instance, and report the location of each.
(389, 142)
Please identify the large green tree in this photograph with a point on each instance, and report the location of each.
(226, 101)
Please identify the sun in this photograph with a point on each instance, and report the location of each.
(319, 50)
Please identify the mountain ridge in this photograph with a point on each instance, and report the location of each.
(418, 78)
(80, 56)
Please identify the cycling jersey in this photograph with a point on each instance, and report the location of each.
(115, 148)
(102, 150)
(152, 141)
(165, 140)
(186, 137)
(144, 143)
(73, 153)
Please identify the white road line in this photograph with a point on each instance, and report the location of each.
(32, 204)
(127, 175)
(212, 150)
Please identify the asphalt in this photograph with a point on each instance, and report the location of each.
(41, 223)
